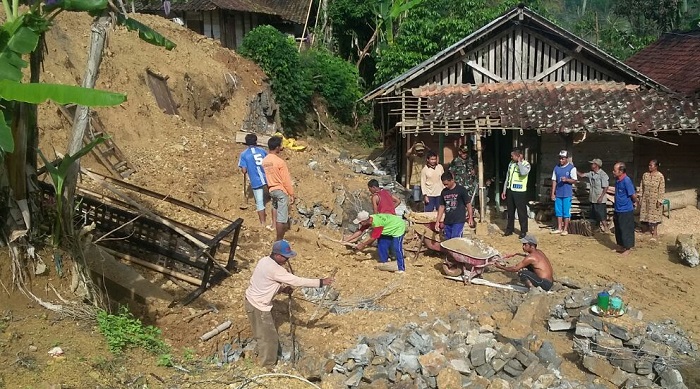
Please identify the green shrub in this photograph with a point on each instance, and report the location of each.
(277, 55)
(368, 135)
(336, 80)
(124, 331)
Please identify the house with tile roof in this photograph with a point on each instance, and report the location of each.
(523, 81)
(229, 20)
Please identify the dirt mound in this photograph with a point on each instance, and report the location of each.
(183, 155)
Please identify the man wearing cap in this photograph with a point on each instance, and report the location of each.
(250, 163)
(388, 230)
(431, 182)
(464, 173)
(416, 160)
(279, 183)
(563, 178)
(535, 270)
(515, 192)
(599, 186)
(267, 280)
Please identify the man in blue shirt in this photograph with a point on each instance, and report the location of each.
(563, 178)
(250, 163)
(625, 203)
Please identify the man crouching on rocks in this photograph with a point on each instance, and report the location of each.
(535, 270)
(266, 281)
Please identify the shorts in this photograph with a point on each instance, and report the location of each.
(562, 207)
(599, 212)
(454, 230)
(280, 201)
(260, 195)
(433, 203)
(535, 280)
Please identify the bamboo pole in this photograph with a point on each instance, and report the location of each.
(160, 269)
(306, 24)
(482, 186)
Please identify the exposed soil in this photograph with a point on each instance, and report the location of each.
(192, 157)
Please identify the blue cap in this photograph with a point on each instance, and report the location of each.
(283, 248)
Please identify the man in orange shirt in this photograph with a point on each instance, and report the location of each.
(279, 183)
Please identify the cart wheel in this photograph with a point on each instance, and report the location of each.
(451, 271)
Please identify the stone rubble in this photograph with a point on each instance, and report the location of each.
(687, 247)
(622, 350)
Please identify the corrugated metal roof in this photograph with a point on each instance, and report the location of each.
(510, 17)
(673, 61)
(564, 106)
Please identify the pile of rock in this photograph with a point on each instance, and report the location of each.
(623, 350)
(314, 215)
(454, 353)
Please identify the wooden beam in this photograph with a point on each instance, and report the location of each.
(483, 71)
(551, 69)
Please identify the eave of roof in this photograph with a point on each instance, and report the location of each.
(594, 106)
(416, 71)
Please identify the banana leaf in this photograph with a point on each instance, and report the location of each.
(146, 33)
(7, 143)
(37, 93)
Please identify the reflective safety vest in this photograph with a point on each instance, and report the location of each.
(517, 183)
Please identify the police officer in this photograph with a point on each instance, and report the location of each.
(515, 192)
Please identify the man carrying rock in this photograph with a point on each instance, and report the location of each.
(535, 270)
(279, 182)
(250, 163)
(388, 230)
(267, 280)
(599, 186)
(382, 200)
(453, 204)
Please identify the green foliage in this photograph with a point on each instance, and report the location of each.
(165, 360)
(58, 177)
(278, 57)
(352, 21)
(368, 135)
(146, 33)
(336, 80)
(123, 331)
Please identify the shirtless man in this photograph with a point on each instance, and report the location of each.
(535, 270)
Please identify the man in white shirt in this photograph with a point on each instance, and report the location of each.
(267, 280)
(431, 182)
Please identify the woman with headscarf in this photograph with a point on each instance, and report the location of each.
(651, 195)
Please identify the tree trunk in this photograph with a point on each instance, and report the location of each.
(81, 120)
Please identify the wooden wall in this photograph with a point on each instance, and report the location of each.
(609, 148)
(679, 164)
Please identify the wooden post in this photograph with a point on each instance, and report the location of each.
(497, 161)
(480, 159)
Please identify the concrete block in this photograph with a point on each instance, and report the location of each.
(560, 325)
(585, 329)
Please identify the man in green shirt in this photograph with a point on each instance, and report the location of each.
(388, 230)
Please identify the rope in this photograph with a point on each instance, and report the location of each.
(302, 379)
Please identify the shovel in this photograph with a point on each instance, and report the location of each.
(245, 193)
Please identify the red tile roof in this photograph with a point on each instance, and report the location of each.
(564, 106)
(672, 61)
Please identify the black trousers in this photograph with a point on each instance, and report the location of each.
(516, 200)
(624, 229)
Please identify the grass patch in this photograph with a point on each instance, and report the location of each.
(123, 331)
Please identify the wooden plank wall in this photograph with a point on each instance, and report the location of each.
(609, 148)
(679, 164)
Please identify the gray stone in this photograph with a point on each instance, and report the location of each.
(383, 338)
(548, 354)
(490, 353)
(606, 343)
(508, 351)
(362, 354)
(619, 331)
(313, 165)
(624, 359)
(485, 371)
(526, 357)
(635, 342)
(313, 368)
(478, 354)
(476, 382)
(559, 324)
(513, 372)
(585, 330)
(420, 340)
(686, 246)
(461, 365)
(498, 364)
(408, 363)
(671, 378)
(656, 349)
(441, 328)
(350, 365)
(354, 379)
(461, 326)
(546, 381)
(591, 320)
(639, 382)
(579, 298)
(424, 382)
(486, 328)
(643, 367)
(634, 313)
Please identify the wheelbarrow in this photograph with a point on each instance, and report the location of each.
(467, 257)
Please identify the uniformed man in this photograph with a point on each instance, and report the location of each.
(515, 192)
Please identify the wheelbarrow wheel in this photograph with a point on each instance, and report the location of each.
(451, 271)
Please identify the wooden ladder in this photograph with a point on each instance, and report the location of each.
(107, 152)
